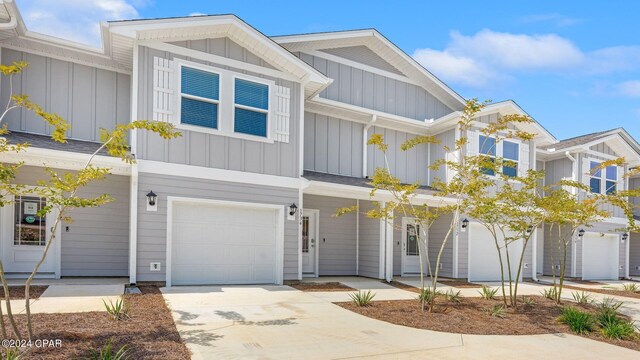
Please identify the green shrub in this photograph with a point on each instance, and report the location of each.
(581, 297)
(427, 295)
(107, 352)
(619, 330)
(453, 297)
(117, 311)
(551, 293)
(580, 322)
(498, 311)
(632, 288)
(527, 301)
(362, 299)
(610, 304)
(12, 353)
(487, 293)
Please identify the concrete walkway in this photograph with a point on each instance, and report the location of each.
(279, 322)
(383, 291)
(70, 295)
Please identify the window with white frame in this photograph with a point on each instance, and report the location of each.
(510, 153)
(595, 182)
(251, 107)
(199, 97)
(603, 180)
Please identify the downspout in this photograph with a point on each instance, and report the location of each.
(365, 139)
(533, 163)
(358, 237)
(574, 242)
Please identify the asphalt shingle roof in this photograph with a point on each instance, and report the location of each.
(352, 181)
(45, 142)
(578, 140)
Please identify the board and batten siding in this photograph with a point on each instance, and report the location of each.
(218, 151)
(152, 226)
(338, 235)
(551, 253)
(88, 98)
(369, 242)
(634, 184)
(437, 235)
(410, 166)
(437, 151)
(359, 87)
(634, 254)
(97, 241)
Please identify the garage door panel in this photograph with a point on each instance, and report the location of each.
(219, 244)
(484, 262)
(600, 257)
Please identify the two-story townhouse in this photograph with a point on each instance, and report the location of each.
(274, 134)
(600, 250)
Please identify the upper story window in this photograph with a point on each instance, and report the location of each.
(510, 152)
(251, 107)
(603, 181)
(200, 97)
(488, 147)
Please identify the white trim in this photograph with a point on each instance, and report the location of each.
(389, 250)
(582, 255)
(574, 255)
(382, 245)
(358, 237)
(301, 209)
(133, 182)
(626, 260)
(316, 218)
(301, 128)
(279, 270)
(164, 168)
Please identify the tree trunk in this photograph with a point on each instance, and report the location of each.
(5, 286)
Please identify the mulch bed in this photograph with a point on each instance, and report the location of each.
(471, 317)
(149, 333)
(635, 295)
(314, 287)
(460, 284)
(17, 292)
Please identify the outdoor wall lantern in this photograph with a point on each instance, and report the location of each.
(465, 223)
(529, 229)
(152, 197)
(625, 236)
(293, 208)
(581, 233)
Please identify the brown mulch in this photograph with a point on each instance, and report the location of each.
(328, 286)
(149, 333)
(471, 317)
(460, 284)
(17, 292)
(629, 294)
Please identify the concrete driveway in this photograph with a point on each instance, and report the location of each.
(279, 322)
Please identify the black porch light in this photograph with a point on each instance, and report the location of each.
(151, 198)
(581, 233)
(465, 223)
(625, 236)
(293, 208)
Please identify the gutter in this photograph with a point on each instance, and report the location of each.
(365, 131)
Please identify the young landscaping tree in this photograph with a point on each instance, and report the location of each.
(61, 189)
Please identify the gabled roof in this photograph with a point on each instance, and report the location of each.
(577, 140)
(46, 142)
(382, 47)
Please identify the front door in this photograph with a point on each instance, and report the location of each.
(24, 236)
(309, 242)
(414, 240)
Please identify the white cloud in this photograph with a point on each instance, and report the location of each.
(489, 56)
(76, 20)
(630, 88)
(554, 18)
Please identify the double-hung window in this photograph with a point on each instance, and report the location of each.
(510, 153)
(488, 148)
(251, 107)
(200, 97)
(611, 180)
(595, 182)
(603, 181)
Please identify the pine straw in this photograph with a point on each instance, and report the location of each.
(17, 292)
(328, 286)
(149, 333)
(471, 316)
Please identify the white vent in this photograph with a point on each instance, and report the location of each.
(162, 90)
(282, 113)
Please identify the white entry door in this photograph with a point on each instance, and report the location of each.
(413, 244)
(24, 236)
(600, 256)
(309, 241)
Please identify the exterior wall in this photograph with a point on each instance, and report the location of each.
(409, 166)
(363, 55)
(557, 170)
(363, 88)
(614, 211)
(369, 245)
(397, 245)
(152, 226)
(338, 235)
(634, 183)
(87, 98)
(97, 242)
(218, 151)
(332, 145)
(437, 234)
(551, 251)
(437, 151)
(634, 254)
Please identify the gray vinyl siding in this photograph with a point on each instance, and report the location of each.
(603, 148)
(97, 242)
(332, 145)
(363, 55)
(338, 235)
(634, 254)
(88, 98)
(527, 263)
(633, 185)
(437, 234)
(362, 88)
(448, 139)
(557, 170)
(552, 254)
(218, 151)
(369, 245)
(397, 245)
(409, 166)
(152, 226)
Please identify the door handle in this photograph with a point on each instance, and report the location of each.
(313, 242)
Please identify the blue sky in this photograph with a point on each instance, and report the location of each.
(573, 65)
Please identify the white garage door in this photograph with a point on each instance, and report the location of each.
(599, 256)
(222, 244)
(484, 264)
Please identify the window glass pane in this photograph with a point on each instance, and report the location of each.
(252, 94)
(595, 185)
(29, 229)
(199, 113)
(250, 122)
(510, 150)
(594, 165)
(200, 83)
(305, 234)
(487, 145)
(611, 187)
(412, 239)
(612, 172)
(489, 171)
(510, 171)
